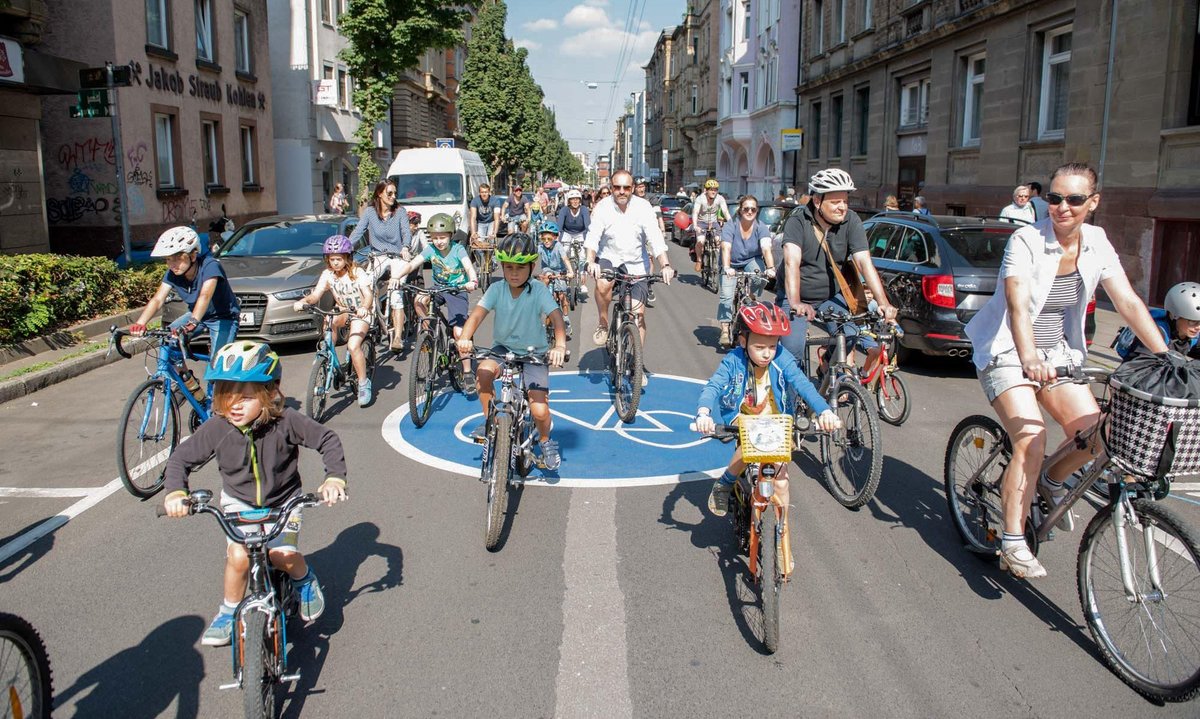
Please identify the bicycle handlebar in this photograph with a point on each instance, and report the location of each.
(540, 358)
(200, 503)
(1076, 375)
(615, 276)
(117, 336)
(721, 432)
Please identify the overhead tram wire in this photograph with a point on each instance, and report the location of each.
(625, 52)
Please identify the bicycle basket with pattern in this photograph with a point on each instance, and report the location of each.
(1153, 435)
(766, 437)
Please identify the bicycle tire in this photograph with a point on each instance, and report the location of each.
(1164, 630)
(976, 510)
(770, 577)
(454, 367)
(371, 358)
(850, 480)
(499, 470)
(258, 667)
(140, 480)
(28, 680)
(483, 270)
(573, 292)
(317, 393)
(891, 396)
(627, 390)
(421, 378)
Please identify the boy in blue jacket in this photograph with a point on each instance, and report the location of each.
(1178, 321)
(755, 378)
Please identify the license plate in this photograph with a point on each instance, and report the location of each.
(246, 318)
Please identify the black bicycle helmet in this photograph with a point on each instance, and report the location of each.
(518, 248)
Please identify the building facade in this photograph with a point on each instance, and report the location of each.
(961, 100)
(756, 67)
(314, 116)
(694, 49)
(660, 114)
(195, 122)
(424, 104)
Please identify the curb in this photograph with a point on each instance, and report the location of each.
(64, 338)
(32, 382)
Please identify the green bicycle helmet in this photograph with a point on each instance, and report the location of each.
(518, 248)
(441, 222)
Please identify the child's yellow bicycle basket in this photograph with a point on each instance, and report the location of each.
(766, 437)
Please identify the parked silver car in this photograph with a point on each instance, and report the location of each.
(271, 262)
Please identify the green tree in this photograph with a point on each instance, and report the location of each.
(386, 38)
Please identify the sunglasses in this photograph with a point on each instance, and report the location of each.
(390, 193)
(622, 187)
(749, 210)
(1053, 198)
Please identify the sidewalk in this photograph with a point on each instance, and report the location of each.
(1108, 323)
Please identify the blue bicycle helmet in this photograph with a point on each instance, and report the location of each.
(245, 361)
(548, 226)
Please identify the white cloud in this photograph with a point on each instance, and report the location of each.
(541, 25)
(527, 44)
(585, 16)
(606, 42)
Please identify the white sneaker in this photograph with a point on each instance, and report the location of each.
(583, 290)
(1020, 562)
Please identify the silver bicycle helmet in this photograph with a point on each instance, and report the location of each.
(831, 180)
(174, 240)
(1183, 300)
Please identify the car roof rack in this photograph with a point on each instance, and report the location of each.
(909, 215)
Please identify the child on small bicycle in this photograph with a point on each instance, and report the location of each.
(354, 296)
(521, 307)
(256, 441)
(451, 268)
(1178, 320)
(555, 261)
(199, 281)
(759, 376)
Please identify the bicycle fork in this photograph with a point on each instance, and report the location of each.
(1124, 516)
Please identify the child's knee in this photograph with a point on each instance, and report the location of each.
(236, 557)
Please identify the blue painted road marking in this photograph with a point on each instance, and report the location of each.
(598, 450)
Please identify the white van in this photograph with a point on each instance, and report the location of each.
(438, 179)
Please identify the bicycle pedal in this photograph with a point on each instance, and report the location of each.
(289, 677)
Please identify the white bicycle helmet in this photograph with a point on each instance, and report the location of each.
(574, 195)
(176, 239)
(1183, 300)
(831, 180)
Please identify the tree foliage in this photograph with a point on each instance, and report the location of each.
(503, 115)
(386, 38)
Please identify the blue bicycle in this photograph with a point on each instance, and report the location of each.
(149, 428)
(330, 372)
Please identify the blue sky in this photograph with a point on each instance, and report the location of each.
(580, 41)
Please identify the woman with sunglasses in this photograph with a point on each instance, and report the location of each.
(387, 224)
(600, 194)
(745, 247)
(1034, 323)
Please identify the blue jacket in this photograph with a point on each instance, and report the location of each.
(726, 389)
(1127, 343)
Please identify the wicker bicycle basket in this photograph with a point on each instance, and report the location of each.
(1139, 426)
(766, 437)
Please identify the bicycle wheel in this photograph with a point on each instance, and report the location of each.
(975, 505)
(452, 361)
(853, 455)
(421, 378)
(627, 390)
(1150, 641)
(146, 436)
(891, 395)
(712, 261)
(573, 292)
(25, 677)
(484, 270)
(498, 469)
(770, 577)
(258, 667)
(319, 387)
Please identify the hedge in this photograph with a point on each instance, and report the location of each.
(42, 293)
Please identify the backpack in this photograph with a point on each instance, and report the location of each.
(1126, 342)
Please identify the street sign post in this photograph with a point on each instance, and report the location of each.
(444, 142)
(791, 139)
(92, 103)
(95, 78)
(96, 99)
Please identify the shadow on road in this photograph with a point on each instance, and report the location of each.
(143, 681)
(22, 560)
(716, 535)
(336, 566)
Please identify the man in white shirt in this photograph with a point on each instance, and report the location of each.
(621, 226)
(1021, 208)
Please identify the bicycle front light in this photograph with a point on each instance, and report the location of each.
(292, 294)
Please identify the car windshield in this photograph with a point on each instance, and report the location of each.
(296, 239)
(979, 246)
(673, 202)
(429, 189)
(771, 215)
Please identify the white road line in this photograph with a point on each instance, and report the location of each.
(37, 492)
(593, 671)
(58, 520)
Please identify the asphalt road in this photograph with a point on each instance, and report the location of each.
(602, 602)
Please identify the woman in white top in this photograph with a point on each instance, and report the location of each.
(1021, 208)
(1034, 323)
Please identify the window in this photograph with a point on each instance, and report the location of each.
(818, 18)
(760, 84)
(1056, 75)
(836, 121)
(205, 49)
(157, 33)
(746, 20)
(862, 99)
(164, 149)
(695, 49)
(343, 88)
(772, 78)
(745, 91)
(912, 248)
(211, 138)
(241, 41)
(814, 145)
(695, 99)
(671, 138)
(914, 103)
(249, 156)
(879, 237)
(327, 72)
(1193, 115)
(326, 11)
(868, 10)
(973, 98)
(839, 21)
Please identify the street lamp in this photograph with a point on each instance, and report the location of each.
(593, 84)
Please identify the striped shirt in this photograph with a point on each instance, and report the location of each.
(1048, 325)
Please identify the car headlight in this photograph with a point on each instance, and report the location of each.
(292, 294)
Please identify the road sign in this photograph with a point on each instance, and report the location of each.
(791, 139)
(444, 142)
(92, 103)
(657, 448)
(91, 78)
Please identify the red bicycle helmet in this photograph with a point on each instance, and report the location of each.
(414, 216)
(764, 319)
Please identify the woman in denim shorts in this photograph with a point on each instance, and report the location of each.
(1034, 323)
